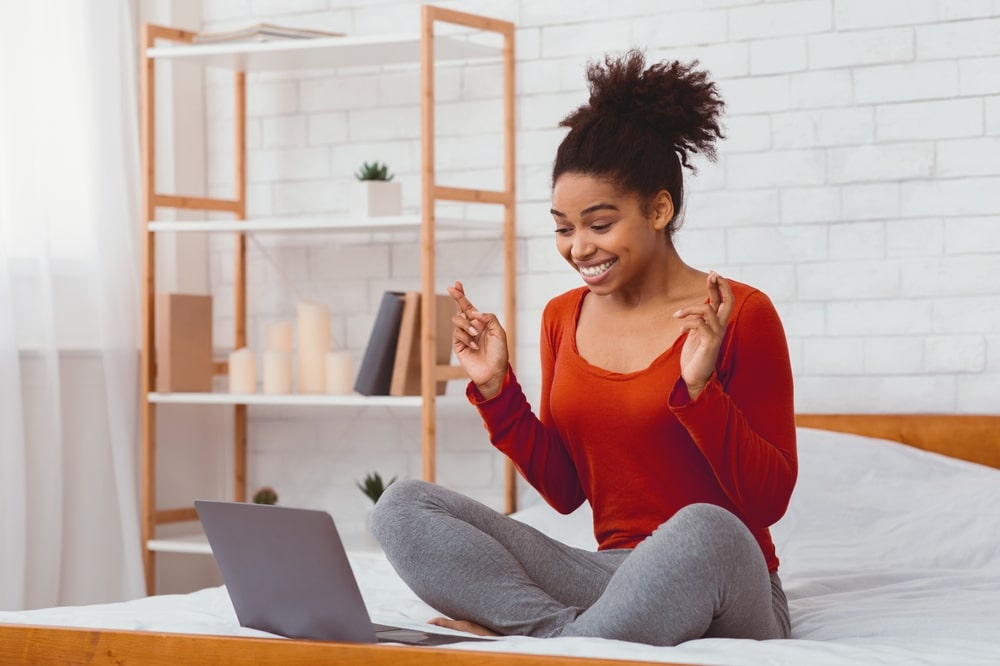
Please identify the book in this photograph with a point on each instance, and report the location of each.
(407, 348)
(406, 368)
(375, 374)
(260, 32)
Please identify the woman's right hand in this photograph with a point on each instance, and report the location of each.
(480, 344)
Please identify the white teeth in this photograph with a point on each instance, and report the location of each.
(594, 271)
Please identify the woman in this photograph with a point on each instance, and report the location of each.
(666, 403)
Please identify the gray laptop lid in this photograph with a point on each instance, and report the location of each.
(286, 571)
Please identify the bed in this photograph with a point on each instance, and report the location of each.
(890, 555)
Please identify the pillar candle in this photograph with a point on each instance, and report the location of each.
(242, 371)
(314, 342)
(339, 373)
(277, 372)
(279, 336)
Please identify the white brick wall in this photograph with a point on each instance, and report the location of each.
(859, 185)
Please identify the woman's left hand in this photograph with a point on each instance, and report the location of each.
(705, 325)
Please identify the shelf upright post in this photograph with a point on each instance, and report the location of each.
(509, 232)
(150, 200)
(240, 281)
(147, 368)
(428, 359)
(431, 193)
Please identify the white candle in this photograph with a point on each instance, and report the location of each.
(242, 371)
(277, 372)
(339, 373)
(314, 341)
(279, 336)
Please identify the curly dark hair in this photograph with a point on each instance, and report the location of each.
(640, 126)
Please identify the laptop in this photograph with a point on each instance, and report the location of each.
(287, 573)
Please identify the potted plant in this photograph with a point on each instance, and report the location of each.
(374, 194)
(373, 486)
(265, 495)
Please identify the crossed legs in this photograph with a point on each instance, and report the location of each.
(699, 574)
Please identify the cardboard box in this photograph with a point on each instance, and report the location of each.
(183, 343)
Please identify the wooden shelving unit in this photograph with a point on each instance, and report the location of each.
(424, 49)
(291, 400)
(313, 224)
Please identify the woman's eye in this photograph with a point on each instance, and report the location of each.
(562, 231)
(603, 226)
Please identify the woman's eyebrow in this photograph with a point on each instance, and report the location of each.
(588, 210)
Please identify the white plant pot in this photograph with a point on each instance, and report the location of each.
(376, 198)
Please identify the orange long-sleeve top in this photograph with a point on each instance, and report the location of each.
(637, 447)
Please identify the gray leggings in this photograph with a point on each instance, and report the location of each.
(699, 574)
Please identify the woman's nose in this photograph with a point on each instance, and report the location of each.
(582, 246)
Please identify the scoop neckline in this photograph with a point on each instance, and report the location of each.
(612, 374)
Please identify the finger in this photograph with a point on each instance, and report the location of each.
(702, 311)
(457, 293)
(698, 324)
(692, 325)
(462, 334)
(463, 323)
(714, 295)
(461, 300)
(728, 300)
(466, 308)
(462, 342)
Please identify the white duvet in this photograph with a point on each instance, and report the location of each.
(889, 555)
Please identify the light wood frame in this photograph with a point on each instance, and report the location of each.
(432, 192)
(972, 437)
(431, 372)
(151, 515)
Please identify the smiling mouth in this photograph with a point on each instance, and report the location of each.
(599, 269)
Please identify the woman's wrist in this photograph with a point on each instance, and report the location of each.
(694, 390)
(491, 388)
(697, 388)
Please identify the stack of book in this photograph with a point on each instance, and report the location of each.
(260, 32)
(391, 363)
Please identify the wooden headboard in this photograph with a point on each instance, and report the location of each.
(968, 437)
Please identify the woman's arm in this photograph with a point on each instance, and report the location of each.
(743, 420)
(535, 449)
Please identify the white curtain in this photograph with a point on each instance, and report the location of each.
(69, 303)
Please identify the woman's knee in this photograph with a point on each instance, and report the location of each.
(709, 517)
(397, 504)
(708, 527)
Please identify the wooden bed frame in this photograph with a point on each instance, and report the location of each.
(974, 438)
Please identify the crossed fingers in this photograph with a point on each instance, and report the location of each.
(469, 323)
(711, 317)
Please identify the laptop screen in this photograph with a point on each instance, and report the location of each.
(286, 571)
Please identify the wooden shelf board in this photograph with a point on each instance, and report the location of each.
(194, 543)
(307, 224)
(290, 400)
(322, 53)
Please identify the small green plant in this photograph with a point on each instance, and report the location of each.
(373, 487)
(374, 171)
(265, 496)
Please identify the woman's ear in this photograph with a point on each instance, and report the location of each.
(662, 209)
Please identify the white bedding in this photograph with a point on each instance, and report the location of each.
(889, 555)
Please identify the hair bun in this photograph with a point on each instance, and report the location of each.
(676, 100)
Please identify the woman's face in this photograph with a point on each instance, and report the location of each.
(603, 233)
